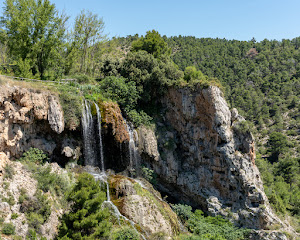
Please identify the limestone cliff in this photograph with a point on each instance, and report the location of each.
(31, 118)
(203, 157)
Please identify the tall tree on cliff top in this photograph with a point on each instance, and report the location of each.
(88, 33)
(35, 33)
(152, 43)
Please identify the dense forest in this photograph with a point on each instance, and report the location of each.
(260, 79)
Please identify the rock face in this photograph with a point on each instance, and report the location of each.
(22, 182)
(139, 202)
(206, 157)
(29, 118)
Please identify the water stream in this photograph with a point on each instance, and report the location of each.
(134, 156)
(91, 157)
(100, 137)
(88, 129)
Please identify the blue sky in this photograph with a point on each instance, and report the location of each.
(231, 19)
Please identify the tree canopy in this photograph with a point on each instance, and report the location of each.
(35, 34)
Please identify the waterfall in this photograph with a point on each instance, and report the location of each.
(102, 178)
(100, 137)
(88, 134)
(133, 149)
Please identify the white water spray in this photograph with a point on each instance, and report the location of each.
(100, 137)
(87, 127)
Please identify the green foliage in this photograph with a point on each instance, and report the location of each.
(152, 43)
(35, 34)
(278, 144)
(9, 171)
(125, 233)
(148, 174)
(14, 216)
(88, 32)
(86, 220)
(71, 102)
(207, 227)
(57, 184)
(184, 212)
(8, 229)
(120, 90)
(139, 118)
(151, 75)
(37, 210)
(82, 78)
(34, 155)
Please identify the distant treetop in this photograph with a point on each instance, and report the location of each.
(152, 43)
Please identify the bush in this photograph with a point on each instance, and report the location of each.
(125, 233)
(8, 229)
(120, 90)
(14, 216)
(184, 212)
(83, 79)
(214, 228)
(139, 118)
(9, 171)
(86, 219)
(34, 155)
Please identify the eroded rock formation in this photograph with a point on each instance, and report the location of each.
(206, 158)
(139, 202)
(31, 118)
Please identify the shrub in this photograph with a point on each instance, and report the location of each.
(148, 174)
(8, 229)
(34, 155)
(35, 220)
(14, 216)
(86, 220)
(125, 233)
(184, 212)
(83, 79)
(120, 90)
(9, 171)
(139, 118)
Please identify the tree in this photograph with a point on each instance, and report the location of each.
(86, 220)
(152, 43)
(88, 32)
(35, 31)
(278, 144)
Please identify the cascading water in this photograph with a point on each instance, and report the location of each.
(133, 149)
(100, 137)
(88, 130)
(91, 157)
(102, 178)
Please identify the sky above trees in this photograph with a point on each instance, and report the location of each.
(230, 19)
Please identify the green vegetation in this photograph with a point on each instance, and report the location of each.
(260, 79)
(9, 171)
(152, 43)
(125, 233)
(207, 227)
(34, 155)
(34, 36)
(86, 219)
(8, 229)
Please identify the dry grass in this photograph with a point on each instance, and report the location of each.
(35, 86)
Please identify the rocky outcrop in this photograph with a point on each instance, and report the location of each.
(139, 202)
(31, 118)
(207, 158)
(112, 119)
(21, 182)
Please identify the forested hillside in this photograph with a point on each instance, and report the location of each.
(131, 76)
(261, 80)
